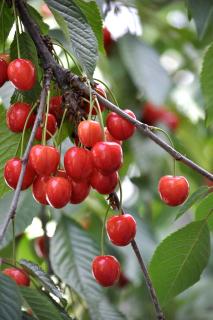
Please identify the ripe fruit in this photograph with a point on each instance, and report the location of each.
(110, 138)
(12, 172)
(21, 72)
(41, 247)
(90, 132)
(44, 159)
(78, 163)
(80, 191)
(58, 192)
(39, 189)
(121, 229)
(18, 275)
(100, 90)
(51, 127)
(56, 106)
(107, 157)
(107, 40)
(17, 115)
(170, 119)
(123, 281)
(118, 127)
(173, 190)
(3, 72)
(106, 270)
(104, 184)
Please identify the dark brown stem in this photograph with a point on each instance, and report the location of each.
(12, 210)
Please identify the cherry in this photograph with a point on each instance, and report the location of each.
(173, 190)
(51, 127)
(41, 247)
(56, 106)
(21, 72)
(12, 172)
(44, 159)
(18, 275)
(17, 115)
(5, 57)
(39, 189)
(89, 132)
(118, 127)
(110, 138)
(123, 281)
(58, 192)
(104, 184)
(80, 191)
(107, 40)
(100, 90)
(170, 119)
(61, 173)
(121, 229)
(3, 72)
(106, 270)
(151, 114)
(107, 157)
(78, 163)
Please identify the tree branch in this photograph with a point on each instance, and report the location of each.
(12, 211)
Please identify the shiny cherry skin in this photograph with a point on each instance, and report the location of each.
(107, 157)
(173, 190)
(80, 190)
(118, 127)
(18, 275)
(5, 57)
(90, 132)
(108, 42)
(58, 192)
(12, 172)
(104, 184)
(17, 115)
(41, 247)
(78, 163)
(39, 189)
(44, 159)
(56, 106)
(3, 72)
(51, 127)
(100, 90)
(110, 138)
(106, 270)
(22, 73)
(121, 229)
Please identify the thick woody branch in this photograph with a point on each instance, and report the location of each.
(12, 211)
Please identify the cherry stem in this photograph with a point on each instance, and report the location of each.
(100, 118)
(25, 127)
(14, 240)
(61, 125)
(121, 196)
(2, 7)
(17, 30)
(46, 119)
(2, 24)
(108, 89)
(91, 101)
(103, 230)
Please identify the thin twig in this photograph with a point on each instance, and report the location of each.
(12, 210)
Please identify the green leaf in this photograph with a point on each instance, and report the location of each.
(82, 38)
(44, 28)
(92, 13)
(26, 316)
(196, 196)
(10, 299)
(8, 148)
(201, 11)
(42, 276)
(205, 210)
(206, 79)
(26, 211)
(179, 260)
(40, 304)
(6, 23)
(143, 65)
(71, 252)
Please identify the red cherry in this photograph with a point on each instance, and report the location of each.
(78, 163)
(80, 191)
(41, 247)
(17, 115)
(5, 57)
(107, 40)
(21, 72)
(106, 270)
(110, 138)
(3, 72)
(51, 127)
(173, 190)
(151, 113)
(104, 184)
(44, 159)
(89, 132)
(56, 106)
(123, 281)
(58, 192)
(61, 173)
(118, 127)
(12, 172)
(18, 275)
(170, 119)
(39, 189)
(100, 90)
(121, 229)
(107, 157)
